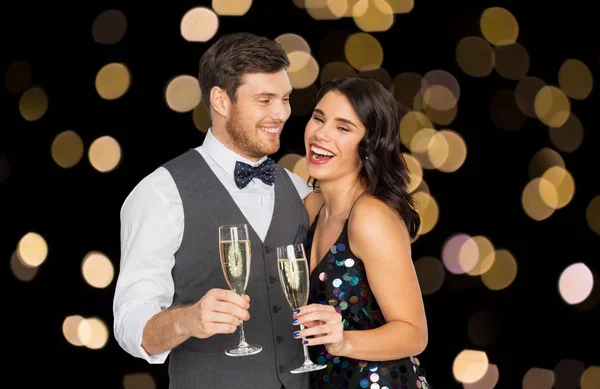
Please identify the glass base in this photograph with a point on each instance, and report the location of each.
(308, 367)
(240, 351)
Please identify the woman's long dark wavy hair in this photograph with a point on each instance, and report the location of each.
(384, 169)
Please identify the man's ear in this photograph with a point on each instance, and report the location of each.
(219, 101)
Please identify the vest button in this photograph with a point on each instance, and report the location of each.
(272, 279)
(276, 308)
(279, 339)
(281, 369)
(267, 249)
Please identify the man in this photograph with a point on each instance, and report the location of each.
(171, 298)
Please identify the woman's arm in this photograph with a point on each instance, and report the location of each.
(379, 237)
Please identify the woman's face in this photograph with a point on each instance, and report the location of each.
(331, 139)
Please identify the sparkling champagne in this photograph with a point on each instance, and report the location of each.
(235, 260)
(293, 274)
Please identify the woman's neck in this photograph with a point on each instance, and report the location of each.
(340, 195)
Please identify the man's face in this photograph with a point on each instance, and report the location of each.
(261, 108)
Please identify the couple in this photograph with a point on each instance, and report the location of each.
(356, 219)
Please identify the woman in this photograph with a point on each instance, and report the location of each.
(365, 317)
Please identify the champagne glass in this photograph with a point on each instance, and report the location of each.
(294, 277)
(234, 247)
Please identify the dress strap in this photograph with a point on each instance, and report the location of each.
(359, 196)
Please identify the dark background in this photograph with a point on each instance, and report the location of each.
(77, 209)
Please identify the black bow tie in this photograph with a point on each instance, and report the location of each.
(244, 173)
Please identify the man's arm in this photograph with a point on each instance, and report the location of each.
(145, 324)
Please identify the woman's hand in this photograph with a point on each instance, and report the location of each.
(324, 324)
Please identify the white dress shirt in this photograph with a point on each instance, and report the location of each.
(151, 232)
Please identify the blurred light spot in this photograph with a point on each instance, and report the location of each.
(537, 378)
(536, 196)
(67, 149)
(290, 160)
(363, 52)
(499, 26)
(21, 270)
(97, 269)
(457, 152)
(401, 6)
(300, 168)
(201, 118)
(428, 210)
(592, 214)
(139, 381)
(575, 283)
(415, 172)
(109, 27)
(439, 150)
(503, 271)
(405, 87)
(442, 118)
(422, 142)
(326, 9)
(299, 3)
(525, 93)
(33, 103)
(575, 79)
(32, 249)
(199, 24)
(569, 136)
(380, 75)
(183, 93)
(303, 70)
(231, 7)
(439, 97)
(303, 100)
(543, 160)
(488, 381)
(5, 167)
(563, 183)
(512, 61)
(483, 327)
(93, 333)
(504, 111)
(411, 124)
(70, 329)
(112, 81)
(590, 378)
(293, 42)
(459, 253)
(333, 70)
(486, 255)
(440, 89)
(552, 106)
(430, 273)
(104, 154)
(470, 366)
(567, 373)
(373, 15)
(475, 56)
(17, 77)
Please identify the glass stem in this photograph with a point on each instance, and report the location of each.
(242, 336)
(307, 360)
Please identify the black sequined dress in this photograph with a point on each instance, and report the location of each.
(339, 280)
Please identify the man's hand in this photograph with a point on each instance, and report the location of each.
(219, 311)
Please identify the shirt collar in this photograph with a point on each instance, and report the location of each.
(223, 156)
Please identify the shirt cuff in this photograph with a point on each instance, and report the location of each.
(138, 320)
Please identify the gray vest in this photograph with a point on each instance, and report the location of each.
(202, 363)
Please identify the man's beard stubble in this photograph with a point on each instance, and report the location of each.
(243, 139)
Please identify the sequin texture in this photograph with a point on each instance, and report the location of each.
(340, 280)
